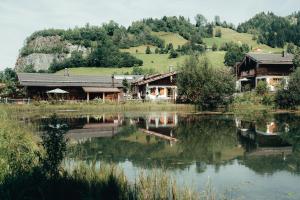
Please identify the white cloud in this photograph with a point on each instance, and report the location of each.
(19, 18)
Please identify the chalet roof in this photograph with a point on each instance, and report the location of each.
(153, 78)
(55, 80)
(268, 58)
(100, 89)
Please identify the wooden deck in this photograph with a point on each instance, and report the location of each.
(158, 135)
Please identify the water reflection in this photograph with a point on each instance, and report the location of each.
(203, 140)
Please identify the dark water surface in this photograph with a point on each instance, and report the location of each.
(249, 158)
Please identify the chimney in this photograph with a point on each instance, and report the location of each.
(113, 80)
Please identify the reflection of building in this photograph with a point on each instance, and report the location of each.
(160, 124)
(259, 141)
(96, 126)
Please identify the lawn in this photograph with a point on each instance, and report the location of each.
(173, 38)
(229, 35)
(159, 62)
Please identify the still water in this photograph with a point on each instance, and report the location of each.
(242, 157)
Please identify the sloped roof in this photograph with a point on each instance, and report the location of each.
(154, 78)
(100, 89)
(55, 80)
(268, 58)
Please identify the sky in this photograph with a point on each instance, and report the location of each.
(20, 18)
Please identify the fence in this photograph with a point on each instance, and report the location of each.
(15, 101)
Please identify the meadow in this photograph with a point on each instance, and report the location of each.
(160, 63)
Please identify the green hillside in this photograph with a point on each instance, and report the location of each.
(173, 38)
(161, 62)
(229, 35)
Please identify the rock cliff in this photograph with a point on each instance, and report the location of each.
(42, 51)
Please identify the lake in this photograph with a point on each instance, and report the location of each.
(243, 157)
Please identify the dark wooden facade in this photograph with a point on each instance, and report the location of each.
(266, 67)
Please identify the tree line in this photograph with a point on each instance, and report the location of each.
(273, 30)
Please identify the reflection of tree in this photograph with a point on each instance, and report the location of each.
(207, 139)
(55, 146)
(272, 163)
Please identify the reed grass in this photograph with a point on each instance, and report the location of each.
(46, 107)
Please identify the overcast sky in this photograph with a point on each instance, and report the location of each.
(19, 18)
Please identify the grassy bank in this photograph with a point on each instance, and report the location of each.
(46, 107)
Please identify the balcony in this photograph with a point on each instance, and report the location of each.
(249, 73)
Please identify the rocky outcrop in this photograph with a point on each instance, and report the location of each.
(42, 51)
(40, 61)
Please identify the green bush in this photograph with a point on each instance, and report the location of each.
(267, 100)
(289, 97)
(261, 87)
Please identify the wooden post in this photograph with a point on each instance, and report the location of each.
(103, 97)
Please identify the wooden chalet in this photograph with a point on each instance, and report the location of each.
(77, 87)
(272, 68)
(156, 87)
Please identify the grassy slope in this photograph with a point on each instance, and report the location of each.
(229, 35)
(173, 38)
(161, 62)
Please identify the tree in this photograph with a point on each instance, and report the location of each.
(217, 20)
(148, 50)
(296, 59)
(125, 85)
(262, 87)
(234, 54)
(54, 144)
(200, 20)
(10, 79)
(218, 33)
(201, 84)
(29, 69)
(214, 47)
(290, 48)
(173, 54)
(8, 75)
(156, 51)
(289, 97)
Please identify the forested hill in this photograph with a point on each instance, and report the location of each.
(99, 46)
(273, 30)
(155, 44)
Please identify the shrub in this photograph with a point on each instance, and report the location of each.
(214, 47)
(285, 99)
(262, 87)
(148, 50)
(218, 33)
(173, 54)
(267, 100)
(289, 97)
